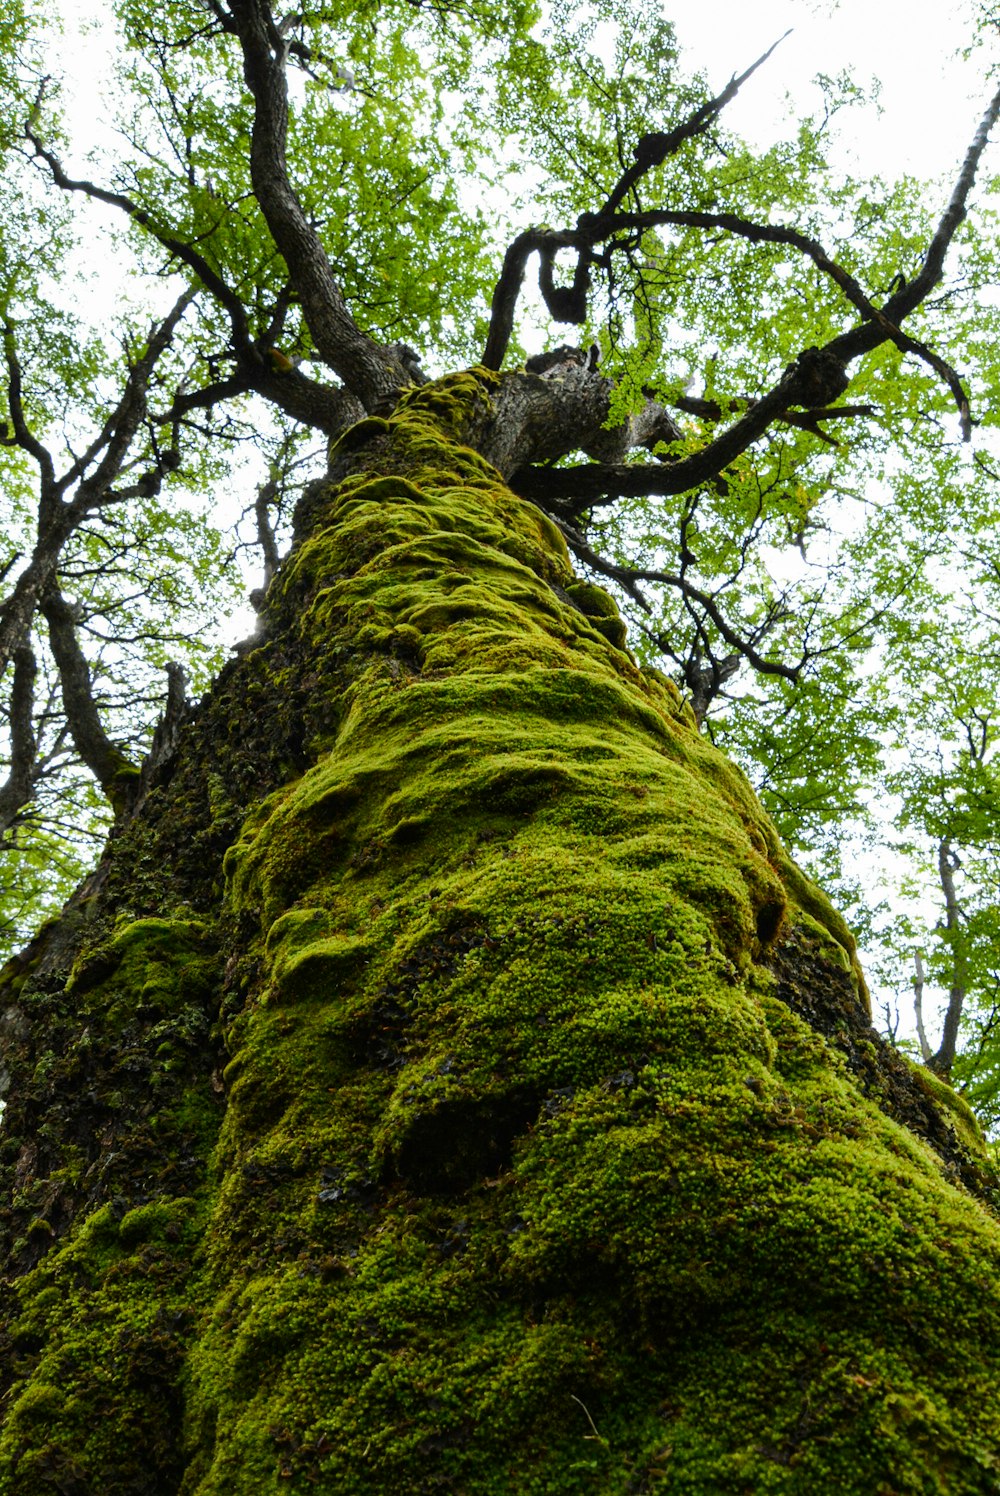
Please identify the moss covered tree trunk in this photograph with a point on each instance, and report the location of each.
(446, 1083)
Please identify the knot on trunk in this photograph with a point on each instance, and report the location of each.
(817, 378)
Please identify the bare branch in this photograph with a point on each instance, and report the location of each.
(860, 340)
(652, 150)
(327, 408)
(23, 435)
(704, 673)
(206, 398)
(18, 608)
(508, 287)
(715, 410)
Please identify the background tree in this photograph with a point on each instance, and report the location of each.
(445, 1079)
(946, 908)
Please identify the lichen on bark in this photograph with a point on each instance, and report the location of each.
(535, 1145)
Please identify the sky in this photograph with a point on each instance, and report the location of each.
(931, 100)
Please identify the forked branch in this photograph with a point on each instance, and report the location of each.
(817, 378)
(569, 303)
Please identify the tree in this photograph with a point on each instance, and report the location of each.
(446, 1080)
(948, 800)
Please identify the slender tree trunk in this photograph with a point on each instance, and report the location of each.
(948, 863)
(926, 1053)
(448, 1084)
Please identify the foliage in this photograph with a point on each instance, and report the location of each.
(849, 555)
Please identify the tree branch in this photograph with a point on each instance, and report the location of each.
(714, 410)
(123, 423)
(926, 1053)
(18, 788)
(652, 150)
(813, 380)
(179, 248)
(109, 765)
(776, 234)
(628, 578)
(569, 304)
(371, 372)
(266, 495)
(305, 399)
(948, 863)
(908, 297)
(508, 287)
(23, 435)
(863, 339)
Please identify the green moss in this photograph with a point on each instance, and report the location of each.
(123, 785)
(528, 1180)
(601, 607)
(955, 1109)
(555, 1157)
(357, 436)
(111, 1312)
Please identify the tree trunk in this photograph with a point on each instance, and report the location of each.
(446, 1082)
(948, 864)
(926, 1053)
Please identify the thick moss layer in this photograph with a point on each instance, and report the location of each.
(532, 1176)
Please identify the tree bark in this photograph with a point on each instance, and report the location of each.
(926, 1053)
(948, 864)
(448, 1083)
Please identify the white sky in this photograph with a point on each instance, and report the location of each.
(931, 100)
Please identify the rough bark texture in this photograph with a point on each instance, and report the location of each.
(447, 1083)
